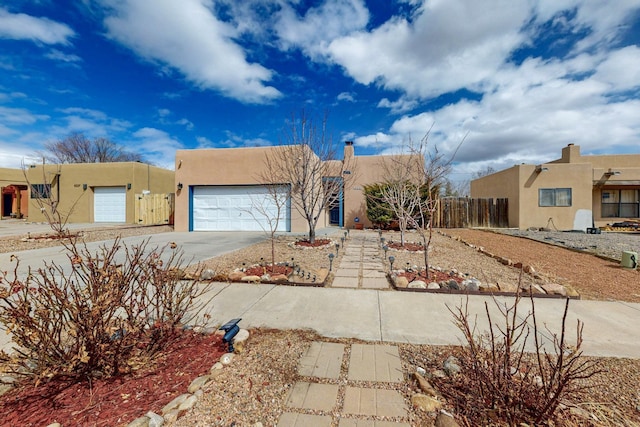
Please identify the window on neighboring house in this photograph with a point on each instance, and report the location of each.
(554, 197)
(40, 191)
(620, 204)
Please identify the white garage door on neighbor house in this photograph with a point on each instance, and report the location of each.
(109, 204)
(237, 208)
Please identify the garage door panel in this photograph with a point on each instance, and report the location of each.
(229, 208)
(109, 204)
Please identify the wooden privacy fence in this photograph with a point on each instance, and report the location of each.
(463, 212)
(154, 209)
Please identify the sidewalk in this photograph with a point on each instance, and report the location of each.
(360, 304)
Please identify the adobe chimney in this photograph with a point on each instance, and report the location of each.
(348, 150)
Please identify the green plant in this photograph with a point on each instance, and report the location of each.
(378, 211)
(92, 316)
(502, 381)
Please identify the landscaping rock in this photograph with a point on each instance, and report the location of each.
(198, 383)
(155, 420)
(424, 385)
(401, 282)
(554, 289)
(425, 403)
(226, 358)
(188, 403)
(445, 419)
(138, 422)
(453, 285)
(241, 336)
(279, 278)
(207, 274)
(451, 366)
(175, 403)
(417, 284)
(236, 276)
(4, 388)
(471, 285)
(433, 285)
(488, 287)
(250, 279)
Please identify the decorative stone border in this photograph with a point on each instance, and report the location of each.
(321, 275)
(551, 290)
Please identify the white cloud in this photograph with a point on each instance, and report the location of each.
(19, 116)
(402, 105)
(188, 37)
(313, 32)
(535, 110)
(60, 56)
(20, 26)
(92, 123)
(346, 96)
(621, 69)
(446, 46)
(157, 146)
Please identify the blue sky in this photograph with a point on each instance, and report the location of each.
(521, 79)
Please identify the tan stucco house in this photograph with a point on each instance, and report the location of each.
(95, 192)
(574, 192)
(216, 189)
(15, 195)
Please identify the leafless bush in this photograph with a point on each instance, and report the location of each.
(502, 382)
(92, 316)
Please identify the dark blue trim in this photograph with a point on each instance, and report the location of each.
(190, 208)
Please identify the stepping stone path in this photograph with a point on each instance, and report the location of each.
(358, 373)
(361, 265)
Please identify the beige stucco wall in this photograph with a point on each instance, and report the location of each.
(246, 166)
(224, 166)
(370, 170)
(76, 202)
(585, 175)
(574, 176)
(503, 184)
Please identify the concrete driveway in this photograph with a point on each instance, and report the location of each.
(196, 247)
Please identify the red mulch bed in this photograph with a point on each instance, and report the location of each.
(411, 247)
(118, 400)
(315, 244)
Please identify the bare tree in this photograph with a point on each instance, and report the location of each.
(271, 208)
(307, 160)
(77, 148)
(413, 187)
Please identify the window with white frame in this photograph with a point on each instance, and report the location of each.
(554, 197)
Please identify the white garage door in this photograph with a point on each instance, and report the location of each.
(109, 204)
(236, 208)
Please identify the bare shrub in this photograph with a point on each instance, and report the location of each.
(94, 315)
(501, 381)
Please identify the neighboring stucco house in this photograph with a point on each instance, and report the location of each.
(217, 187)
(575, 192)
(15, 194)
(95, 192)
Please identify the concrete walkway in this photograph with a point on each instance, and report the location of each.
(323, 381)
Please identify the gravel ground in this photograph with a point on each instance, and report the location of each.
(607, 244)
